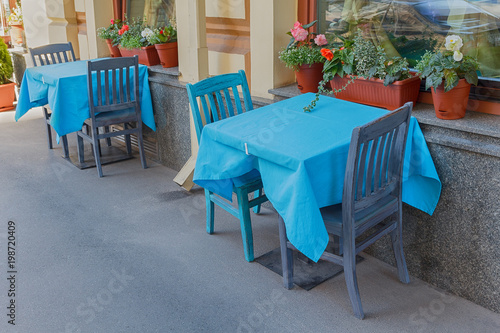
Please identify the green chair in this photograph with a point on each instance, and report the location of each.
(219, 91)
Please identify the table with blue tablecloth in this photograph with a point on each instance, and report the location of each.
(64, 88)
(302, 159)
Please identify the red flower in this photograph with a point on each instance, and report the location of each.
(161, 32)
(341, 48)
(125, 28)
(112, 21)
(327, 53)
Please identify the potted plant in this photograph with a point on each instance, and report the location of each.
(7, 92)
(361, 72)
(15, 20)
(450, 74)
(6, 37)
(303, 55)
(134, 40)
(165, 42)
(110, 35)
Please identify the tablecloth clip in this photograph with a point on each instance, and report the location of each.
(246, 149)
(43, 80)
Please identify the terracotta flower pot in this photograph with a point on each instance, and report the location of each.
(7, 96)
(147, 55)
(308, 77)
(16, 33)
(451, 104)
(7, 40)
(373, 92)
(168, 54)
(114, 50)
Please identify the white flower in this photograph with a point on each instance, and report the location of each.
(457, 55)
(453, 43)
(147, 33)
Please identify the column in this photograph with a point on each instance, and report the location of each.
(269, 22)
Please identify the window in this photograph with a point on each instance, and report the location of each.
(410, 27)
(156, 12)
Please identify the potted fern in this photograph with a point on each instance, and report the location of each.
(361, 72)
(450, 74)
(7, 88)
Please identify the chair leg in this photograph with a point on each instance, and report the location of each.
(65, 146)
(97, 151)
(81, 147)
(98, 145)
(108, 140)
(140, 142)
(286, 256)
(210, 212)
(397, 246)
(351, 279)
(128, 142)
(245, 223)
(258, 193)
(49, 132)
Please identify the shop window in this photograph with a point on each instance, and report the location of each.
(408, 28)
(155, 12)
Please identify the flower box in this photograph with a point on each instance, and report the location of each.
(113, 49)
(373, 92)
(147, 55)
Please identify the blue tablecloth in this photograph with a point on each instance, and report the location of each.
(302, 159)
(64, 88)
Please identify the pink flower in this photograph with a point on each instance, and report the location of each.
(112, 21)
(297, 25)
(320, 40)
(300, 34)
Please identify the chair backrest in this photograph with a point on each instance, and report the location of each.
(218, 91)
(375, 160)
(113, 84)
(52, 54)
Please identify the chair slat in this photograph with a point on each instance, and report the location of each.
(206, 112)
(114, 86)
(360, 174)
(59, 59)
(220, 103)
(122, 98)
(370, 169)
(380, 153)
(127, 85)
(106, 87)
(237, 100)
(213, 107)
(229, 104)
(98, 86)
(386, 158)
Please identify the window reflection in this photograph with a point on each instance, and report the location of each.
(408, 28)
(156, 12)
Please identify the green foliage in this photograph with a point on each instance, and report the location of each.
(134, 34)
(438, 66)
(6, 68)
(131, 41)
(161, 35)
(111, 31)
(303, 55)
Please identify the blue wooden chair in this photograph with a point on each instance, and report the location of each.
(117, 102)
(217, 90)
(47, 55)
(372, 194)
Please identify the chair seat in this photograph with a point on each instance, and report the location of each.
(332, 215)
(119, 116)
(247, 179)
